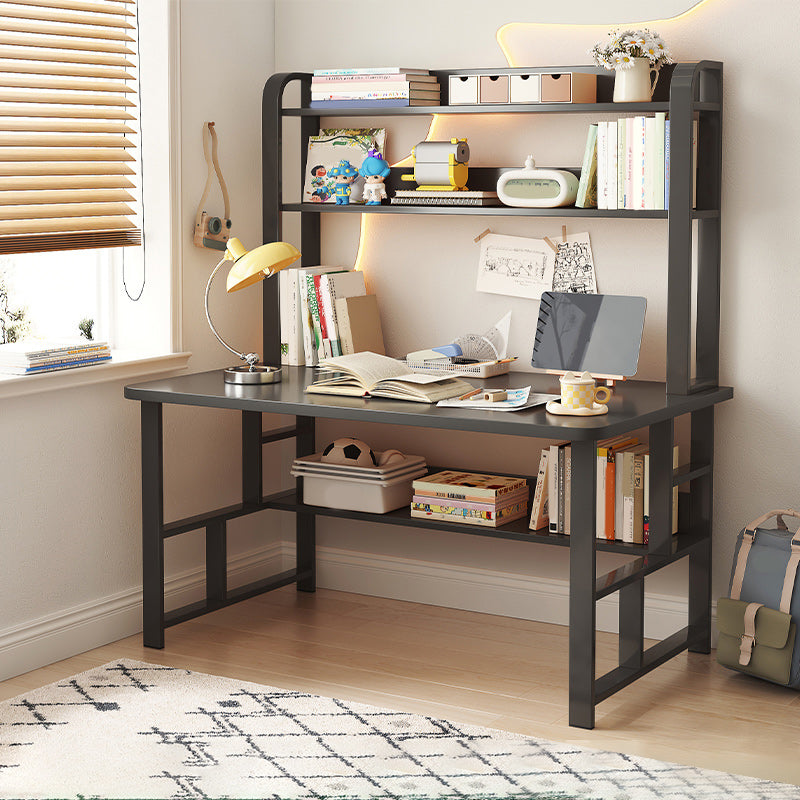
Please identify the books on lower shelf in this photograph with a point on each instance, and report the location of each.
(374, 375)
(628, 159)
(32, 356)
(470, 497)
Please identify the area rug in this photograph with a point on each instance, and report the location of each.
(130, 729)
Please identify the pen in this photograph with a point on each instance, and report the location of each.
(470, 394)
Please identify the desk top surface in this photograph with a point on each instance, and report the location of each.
(634, 404)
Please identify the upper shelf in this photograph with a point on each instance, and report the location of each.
(496, 108)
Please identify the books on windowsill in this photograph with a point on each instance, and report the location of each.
(469, 497)
(33, 356)
(372, 375)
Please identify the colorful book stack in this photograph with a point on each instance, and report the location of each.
(32, 356)
(470, 497)
(626, 164)
(377, 87)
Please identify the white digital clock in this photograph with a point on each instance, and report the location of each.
(537, 188)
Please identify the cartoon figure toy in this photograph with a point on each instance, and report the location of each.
(375, 171)
(343, 175)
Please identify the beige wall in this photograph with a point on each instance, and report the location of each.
(415, 266)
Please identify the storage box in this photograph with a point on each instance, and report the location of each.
(374, 490)
(569, 87)
(525, 88)
(463, 90)
(493, 89)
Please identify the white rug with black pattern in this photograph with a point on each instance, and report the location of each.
(129, 729)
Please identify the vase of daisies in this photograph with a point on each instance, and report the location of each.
(636, 58)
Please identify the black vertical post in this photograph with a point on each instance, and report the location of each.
(631, 624)
(252, 463)
(661, 444)
(152, 525)
(306, 525)
(582, 568)
(216, 563)
(701, 517)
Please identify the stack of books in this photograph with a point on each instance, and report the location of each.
(377, 87)
(33, 356)
(469, 497)
(623, 489)
(326, 312)
(626, 164)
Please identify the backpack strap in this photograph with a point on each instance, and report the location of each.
(748, 639)
(791, 574)
(741, 562)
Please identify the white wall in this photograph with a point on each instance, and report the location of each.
(412, 271)
(70, 571)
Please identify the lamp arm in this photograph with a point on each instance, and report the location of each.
(250, 358)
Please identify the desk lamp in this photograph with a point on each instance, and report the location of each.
(249, 267)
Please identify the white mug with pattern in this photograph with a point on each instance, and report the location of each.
(580, 391)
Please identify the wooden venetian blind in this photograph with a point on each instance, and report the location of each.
(67, 104)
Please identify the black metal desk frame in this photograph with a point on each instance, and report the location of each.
(635, 406)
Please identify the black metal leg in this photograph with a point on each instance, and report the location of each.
(631, 624)
(660, 525)
(216, 563)
(701, 518)
(306, 524)
(152, 525)
(252, 461)
(582, 611)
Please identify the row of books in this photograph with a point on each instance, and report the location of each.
(469, 497)
(626, 164)
(623, 490)
(326, 312)
(379, 87)
(32, 356)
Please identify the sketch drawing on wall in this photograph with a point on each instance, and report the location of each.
(515, 265)
(574, 266)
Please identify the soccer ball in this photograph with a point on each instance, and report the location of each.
(352, 452)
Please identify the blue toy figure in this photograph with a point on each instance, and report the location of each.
(343, 175)
(374, 170)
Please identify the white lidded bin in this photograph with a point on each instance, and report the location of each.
(373, 491)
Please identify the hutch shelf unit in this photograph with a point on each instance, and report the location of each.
(635, 406)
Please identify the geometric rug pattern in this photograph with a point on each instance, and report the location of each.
(130, 729)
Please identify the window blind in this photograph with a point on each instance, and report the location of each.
(67, 107)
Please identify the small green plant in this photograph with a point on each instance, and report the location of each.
(85, 327)
(13, 325)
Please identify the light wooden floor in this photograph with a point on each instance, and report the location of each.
(467, 667)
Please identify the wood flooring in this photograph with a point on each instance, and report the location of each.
(496, 671)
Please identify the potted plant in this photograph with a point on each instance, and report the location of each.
(634, 55)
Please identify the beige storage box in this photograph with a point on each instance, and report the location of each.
(525, 88)
(463, 90)
(569, 87)
(493, 89)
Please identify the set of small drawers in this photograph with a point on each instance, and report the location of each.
(545, 87)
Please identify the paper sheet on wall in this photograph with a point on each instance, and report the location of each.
(574, 266)
(515, 265)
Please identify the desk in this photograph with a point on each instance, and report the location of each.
(634, 405)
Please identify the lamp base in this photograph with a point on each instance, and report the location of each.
(258, 374)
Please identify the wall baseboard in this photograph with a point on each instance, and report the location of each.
(58, 636)
(482, 590)
(81, 628)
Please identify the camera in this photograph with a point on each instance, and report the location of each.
(212, 232)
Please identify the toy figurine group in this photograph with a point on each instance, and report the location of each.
(374, 170)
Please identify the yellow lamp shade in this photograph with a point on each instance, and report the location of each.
(252, 266)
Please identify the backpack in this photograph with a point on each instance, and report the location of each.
(758, 622)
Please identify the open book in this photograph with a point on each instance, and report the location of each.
(369, 374)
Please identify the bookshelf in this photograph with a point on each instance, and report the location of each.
(686, 90)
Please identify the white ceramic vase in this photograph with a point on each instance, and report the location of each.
(635, 84)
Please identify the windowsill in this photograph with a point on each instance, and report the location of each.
(124, 364)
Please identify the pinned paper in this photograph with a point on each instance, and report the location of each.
(574, 266)
(515, 265)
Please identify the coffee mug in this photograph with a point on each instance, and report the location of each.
(579, 391)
